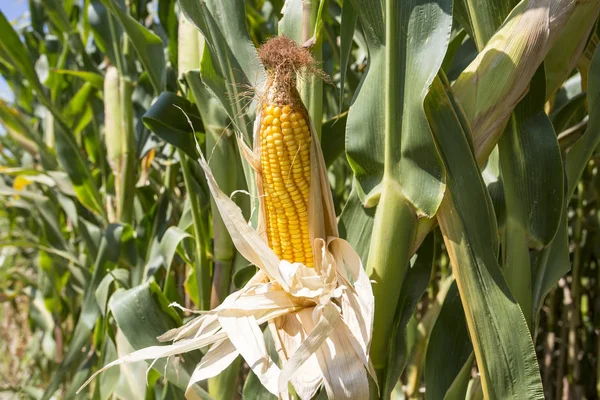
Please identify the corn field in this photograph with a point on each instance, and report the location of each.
(300, 199)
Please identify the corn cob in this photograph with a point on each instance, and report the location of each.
(285, 161)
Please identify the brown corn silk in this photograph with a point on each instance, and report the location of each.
(284, 148)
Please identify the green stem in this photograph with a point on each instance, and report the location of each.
(517, 267)
(311, 88)
(575, 287)
(389, 253)
(128, 155)
(221, 152)
(201, 258)
(395, 224)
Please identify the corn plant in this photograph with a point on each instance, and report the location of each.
(300, 199)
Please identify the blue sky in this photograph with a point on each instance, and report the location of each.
(13, 10)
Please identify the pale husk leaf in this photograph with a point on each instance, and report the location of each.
(491, 86)
(329, 317)
(288, 334)
(215, 361)
(246, 336)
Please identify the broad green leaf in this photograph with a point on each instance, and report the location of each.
(108, 256)
(73, 163)
(481, 18)
(78, 102)
(532, 175)
(169, 244)
(147, 44)
(119, 276)
(456, 42)
(93, 78)
(142, 314)
(170, 117)
(107, 382)
(414, 285)
(232, 54)
(503, 346)
(52, 250)
(551, 264)
(388, 143)
(347, 27)
(209, 92)
(16, 54)
(132, 379)
(66, 147)
(565, 53)
(356, 224)
(386, 120)
(579, 155)
(254, 390)
(14, 121)
(168, 19)
(572, 112)
(460, 386)
(107, 33)
(333, 138)
(223, 159)
(449, 347)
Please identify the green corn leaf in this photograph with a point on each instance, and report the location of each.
(232, 54)
(347, 27)
(565, 53)
(93, 78)
(356, 224)
(109, 253)
(143, 314)
(551, 264)
(579, 155)
(554, 262)
(168, 118)
(333, 138)
(107, 33)
(414, 285)
(66, 147)
(503, 346)
(481, 18)
(13, 50)
(449, 348)
(14, 121)
(388, 143)
(532, 175)
(147, 44)
(290, 24)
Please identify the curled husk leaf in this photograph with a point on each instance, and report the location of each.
(320, 317)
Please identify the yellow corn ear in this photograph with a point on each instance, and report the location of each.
(285, 161)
